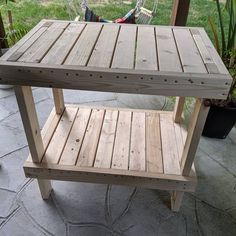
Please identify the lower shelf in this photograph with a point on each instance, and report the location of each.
(116, 146)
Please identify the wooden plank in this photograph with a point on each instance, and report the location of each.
(48, 129)
(58, 52)
(83, 48)
(75, 139)
(120, 159)
(29, 118)
(18, 53)
(106, 142)
(125, 48)
(212, 51)
(178, 109)
(89, 146)
(37, 51)
(206, 57)
(117, 80)
(153, 143)
(22, 41)
(58, 100)
(168, 56)
(196, 126)
(146, 52)
(105, 46)
(110, 176)
(169, 146)
(180, 11)
(176, 200)
(137, 160)
(189, 54)
(60, 136)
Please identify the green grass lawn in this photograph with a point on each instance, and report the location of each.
(27, 13)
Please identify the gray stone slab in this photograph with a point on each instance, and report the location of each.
(41, 213)
(7, 202)
(11, 172)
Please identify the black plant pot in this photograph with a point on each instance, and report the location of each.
(219, 122)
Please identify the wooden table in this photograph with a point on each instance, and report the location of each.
(109, 145)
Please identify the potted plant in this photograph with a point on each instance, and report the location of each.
(222, 114)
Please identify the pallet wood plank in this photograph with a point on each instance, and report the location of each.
(169, 146)
(58, 52)
(153, 143)
(104, 48)
(106, 142)
(59, 138)
(75, 139)
(37, 51)
(89, 146)
(189, 54)
(83, 48)
(217, 59)
(146, 53)
(23, 40)
(137, 160)
(125, 48)
(120, 159)
(167, 51)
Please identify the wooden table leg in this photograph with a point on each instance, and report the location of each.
(178, 110)
(193, 137)
(29, 118)
(58, 100)
(176, 200)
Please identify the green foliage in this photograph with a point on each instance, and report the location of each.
(227, 36)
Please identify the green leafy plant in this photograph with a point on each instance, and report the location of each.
(227, 47)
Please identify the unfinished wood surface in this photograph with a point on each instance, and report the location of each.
(105, 46)
(176, 200)
(169, 145)
(76, 136)
(125, 48)
(122, 142)
(137, 159)
(196, 126)
(146, 52)
(212, 51)
(178, 109)
(106, 141)
(40, 47)
(189, 54)
(63, 45)
(154, 161)
(60, 136)
(88, 150)
(29, 118)
(58, 100)
(168, 56)
(83, 48)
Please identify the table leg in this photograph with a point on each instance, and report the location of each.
(176, 200)
(178, 110)
(29, 118)
(58, 100)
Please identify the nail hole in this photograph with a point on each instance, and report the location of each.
(77, 74)
(67, 74)
(100, 76)
(202, 82)
(52, 71)
(176, 81)
(28, 70)
(165, 80)
(40, 71)
(151, 78)
(125, 77)
(141, 78)
(90, 75)
(19, 70)
(117, 76)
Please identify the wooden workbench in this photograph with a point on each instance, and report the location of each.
(145, 148)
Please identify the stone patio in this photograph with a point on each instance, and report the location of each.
(93, 209)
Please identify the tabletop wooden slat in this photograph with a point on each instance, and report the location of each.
(125, 48)
(63, 45)
(167, 50)
(83, 48)
(41, 46)
(146, 56)
(189, 54)
(105, 46)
